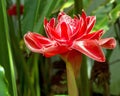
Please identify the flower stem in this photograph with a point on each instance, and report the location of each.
(37, 91)
(72, 87)
(84, 90)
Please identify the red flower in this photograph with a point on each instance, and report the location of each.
(68, 35)
(13, 10)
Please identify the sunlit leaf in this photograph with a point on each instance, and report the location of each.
(3, 83)
(107, 17)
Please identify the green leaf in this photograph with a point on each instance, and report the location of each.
(115, 13)
(45, 11)
(20, 64)
(59, 5)
(107, 17)
(30, 14)
(6, 59)
(3, 83)
(90, 5)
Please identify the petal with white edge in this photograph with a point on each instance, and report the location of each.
(91, 48)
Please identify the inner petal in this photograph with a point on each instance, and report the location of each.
(64, 31)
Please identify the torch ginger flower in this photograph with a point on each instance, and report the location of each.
(67, 34)
(71, 36)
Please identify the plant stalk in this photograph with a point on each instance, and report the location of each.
(78, 5)
(72, 87)
(84, 90)
(36, 73)
(18, 17)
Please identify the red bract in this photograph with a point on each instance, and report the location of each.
(13, 10)
(67, 35)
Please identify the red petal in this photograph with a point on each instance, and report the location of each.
(37, 40)
(94, 35)
(49, 28)
(52, 33)
(52, 22)
(75, 34)
(46, 27)
(55, 50)
(45, 22)
(76, 17)
(90, 48)
(31, 43)
(108, 43)
(75, 58)
(64, 31)
(92, 20)
(60, 14)
(76, 27)
(82, 29)
(83, 15)
(39, 44)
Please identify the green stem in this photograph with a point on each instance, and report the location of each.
(84, 90)
(72, 87)
(37, 10)
(36, 57)
(78, 6)
(18, 17)
(9, 49)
